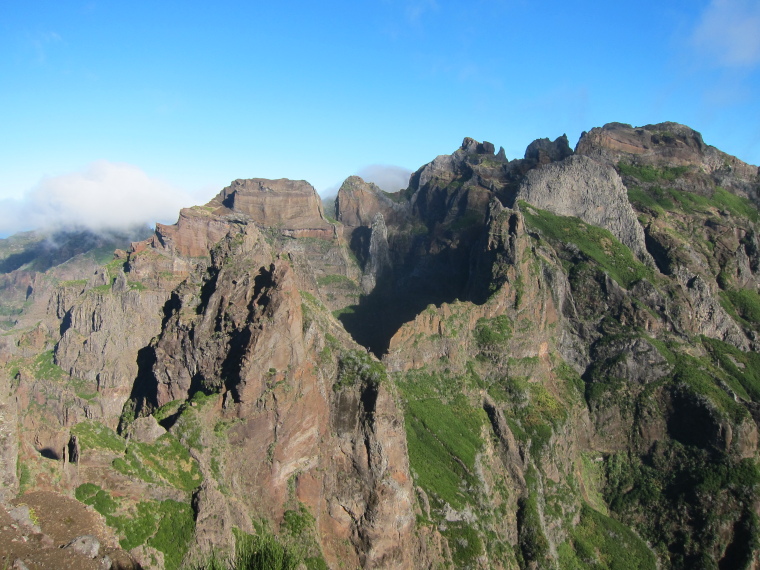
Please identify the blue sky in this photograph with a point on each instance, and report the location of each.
(119, 111)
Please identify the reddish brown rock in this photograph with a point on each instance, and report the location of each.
(291, 205)
(663, 144)
(194, 234)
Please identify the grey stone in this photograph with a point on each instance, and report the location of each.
(86, 544)
(379, 257)
(545, 151)
(22, 514)
(146, 430)
(581, 187)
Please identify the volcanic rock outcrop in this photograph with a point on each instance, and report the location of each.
(579, 187)
(545, 362)
(289, 205)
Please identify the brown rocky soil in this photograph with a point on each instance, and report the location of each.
(55, 520)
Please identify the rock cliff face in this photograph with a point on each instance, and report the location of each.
(293, 206)
(672, 145)
(579, 187)
(548, 362)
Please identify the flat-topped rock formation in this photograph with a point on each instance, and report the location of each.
(293, 206)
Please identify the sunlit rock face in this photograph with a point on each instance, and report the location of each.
(292, 205)
(542, 362)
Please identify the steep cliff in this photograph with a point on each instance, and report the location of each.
(545, 362)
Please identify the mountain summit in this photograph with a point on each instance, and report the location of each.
(544, 362)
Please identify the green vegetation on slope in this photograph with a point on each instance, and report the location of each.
(534, 546)
(262, 551)
(491, 334)
(651, 173)
(164, 462)
(339, 281)
(595, 243)
(167, 526)
(598, 541)
(532, 411)
(357, 367)
(743, 367)
(94, 435)
(444, 439)
(43, 367)
(661, 200)
(700, 378)
(650, 193)
(46, 369)
(299, 534)
(707, 491)
(743, 305)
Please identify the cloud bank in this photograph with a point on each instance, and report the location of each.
(729, 32)
(388, 177)
(105, 196)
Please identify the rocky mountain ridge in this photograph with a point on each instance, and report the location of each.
(505, 365)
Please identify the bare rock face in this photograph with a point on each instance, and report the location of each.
(9, 440)
(292, 205)
(470, 145)
(247, 333)
(378, 261)
(544, 151)
(245, 297)
(145, 430)
(194, 234)
(664, 142)
(22, 514)
(365, 210)
(707, 316)
(452, 185)
(94, 348)
(148, 557)
(581, 187)
(667, 144)
(358, 202)
(215, 518)
(378, 503)
(641, 362)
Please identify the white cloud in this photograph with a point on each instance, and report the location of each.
(388, 177)
(105, 196)
(729, 32)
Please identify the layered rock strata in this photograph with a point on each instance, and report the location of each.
(502, 366)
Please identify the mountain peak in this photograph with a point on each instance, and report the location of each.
(472, 146)
(500, 365)
(293, 204)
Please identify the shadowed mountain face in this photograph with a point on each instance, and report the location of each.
(33, 251)
(67, 254)
(545, 362)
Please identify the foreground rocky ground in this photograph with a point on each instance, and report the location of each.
(41, 528)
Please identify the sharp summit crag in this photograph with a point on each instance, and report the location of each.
(550, 362)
